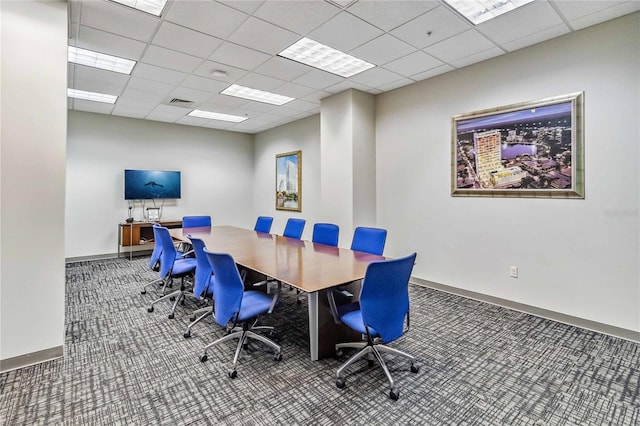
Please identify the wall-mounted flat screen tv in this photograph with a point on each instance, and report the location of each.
(151, 184)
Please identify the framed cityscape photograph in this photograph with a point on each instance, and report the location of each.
(289, 181)
(530, 149)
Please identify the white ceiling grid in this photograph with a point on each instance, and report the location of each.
(178, 52)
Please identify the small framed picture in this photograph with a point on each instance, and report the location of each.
(153, 214)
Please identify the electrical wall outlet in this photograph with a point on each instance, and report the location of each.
(513, 271)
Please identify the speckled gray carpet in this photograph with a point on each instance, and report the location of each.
(481, 365)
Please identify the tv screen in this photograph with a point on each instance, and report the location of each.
(151, 184)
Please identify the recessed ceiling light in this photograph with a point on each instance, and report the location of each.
(256, 95)
(153, 7)
(219, 73)
(217, 116)
(100, 60)
(91, 96)
(482, 10)
(317, 55)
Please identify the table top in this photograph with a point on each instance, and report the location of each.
(302, 264)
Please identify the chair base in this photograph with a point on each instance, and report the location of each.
(374, 349)
(243, 334)
(203, 312)
(178, 295)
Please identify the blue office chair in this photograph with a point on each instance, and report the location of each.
(202, 284)
(294, 228)
(380, 315)
(369, 240)
(171, 267)
(325, 233)
(154, 262)
(237, 310)
(196, 221)
(263, 224)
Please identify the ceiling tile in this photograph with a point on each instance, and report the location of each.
(412, 64)
(300, 16)
(615, 11)
(238, 56)
(90, 106)
(152, 72)
(128, 111)
(383, 49)
(387, 15)
(206, 84)
(433, 72)
(145, 96)
(224, 102)
(538, 37)
(206, 16)
(184, 40)
(171, 59)
(318, 79)
(246, 6)
(97, 80)
(118, 19)
(263, 36)
(521, 22)
(345, 32)
(295, 90)
(300, 105)
(459, 46)
(347, 84)
(374, 77)
(576, 9)
(168, 113)
(284, 69)
(192, 121)
(111, 44)
(478, 57)
(398, 83)
(207, 68)
(196, 96)
(261, 82)
(441, 22)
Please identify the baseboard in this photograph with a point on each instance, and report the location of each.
(31, 359)
(136, 253)
(611, 330)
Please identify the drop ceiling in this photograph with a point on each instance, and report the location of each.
(178, 52)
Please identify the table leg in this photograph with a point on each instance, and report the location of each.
(313, 324)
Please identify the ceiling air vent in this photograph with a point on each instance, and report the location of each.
(180, 102)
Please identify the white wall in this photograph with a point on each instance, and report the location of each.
(301, 135)
(32, 153)
(577, 257)
(216, 166)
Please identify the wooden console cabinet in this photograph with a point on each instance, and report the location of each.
(140, 233)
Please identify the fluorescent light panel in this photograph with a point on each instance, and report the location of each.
(153, 7)
(317, 55)
(100, 60)
(256, 95)
(91, 96)
(216, 116)
(482, 10)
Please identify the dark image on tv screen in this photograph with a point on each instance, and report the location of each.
(151, 184)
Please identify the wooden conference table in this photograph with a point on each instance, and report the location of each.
(310, 267)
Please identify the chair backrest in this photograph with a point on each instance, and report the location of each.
(168, 254)
(203, 268)
(369, 240)
(157, 250)
(227, 286)
(384, 297)
(263, 224)
(294, 228)
(196, 221)
(325, 233)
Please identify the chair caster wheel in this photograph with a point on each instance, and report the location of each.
(143, 292)
(203, 358)
(393, 394)
(233, 374)
(414, 368)
(277, 357)
(192, 319)
(172, 298)
(150, 309)
(339, 353)
(171, 316)
(187, 334)
(340, 382)
(182, 302)
(370, 363)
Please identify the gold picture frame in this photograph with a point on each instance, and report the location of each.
(531, 149)
(289, 181)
